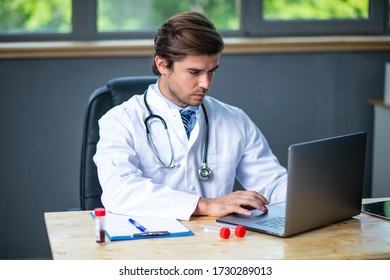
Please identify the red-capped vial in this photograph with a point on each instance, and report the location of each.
(100, 216)
(224, 232)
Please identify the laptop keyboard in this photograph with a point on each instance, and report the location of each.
(276, 222)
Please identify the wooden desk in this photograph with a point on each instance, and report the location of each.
(71, 236)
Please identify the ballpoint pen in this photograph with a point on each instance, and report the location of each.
(137, 225)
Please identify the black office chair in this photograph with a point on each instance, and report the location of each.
(101, 100)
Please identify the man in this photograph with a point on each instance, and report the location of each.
(174, 173)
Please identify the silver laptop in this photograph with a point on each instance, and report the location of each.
(325, 185)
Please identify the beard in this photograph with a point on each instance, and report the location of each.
(181, 99)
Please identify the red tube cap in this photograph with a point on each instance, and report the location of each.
(240, 231)
(100, 212)
(224, 233)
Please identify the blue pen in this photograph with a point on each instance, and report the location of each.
(137, 225)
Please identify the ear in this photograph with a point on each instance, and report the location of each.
(161, 64)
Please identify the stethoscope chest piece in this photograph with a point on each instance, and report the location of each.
(204, 172)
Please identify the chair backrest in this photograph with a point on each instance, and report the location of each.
(101, 100)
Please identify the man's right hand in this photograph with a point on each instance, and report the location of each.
(236, 202)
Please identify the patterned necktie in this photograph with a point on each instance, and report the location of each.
(186, 116)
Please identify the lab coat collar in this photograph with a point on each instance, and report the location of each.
(156, 101)
(159, 106)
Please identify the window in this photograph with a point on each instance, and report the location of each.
(35, 17)
(39, 20)
(315, 10)
(147, 15)
(316, 17)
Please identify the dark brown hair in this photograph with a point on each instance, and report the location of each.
(188, 33)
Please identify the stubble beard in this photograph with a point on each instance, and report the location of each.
(184, 102)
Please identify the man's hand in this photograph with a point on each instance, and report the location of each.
(237, 202)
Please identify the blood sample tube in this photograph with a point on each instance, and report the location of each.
(100, 215)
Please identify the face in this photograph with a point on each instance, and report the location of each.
(189, 80)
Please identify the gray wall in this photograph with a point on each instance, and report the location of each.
(292, 97)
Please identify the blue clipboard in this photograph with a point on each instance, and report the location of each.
(124, 227)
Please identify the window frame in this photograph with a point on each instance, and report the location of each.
(252, 24)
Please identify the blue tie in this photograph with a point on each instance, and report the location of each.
(186, 116)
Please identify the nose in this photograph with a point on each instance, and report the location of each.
(205, 80)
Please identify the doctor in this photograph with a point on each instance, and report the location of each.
(150, 165)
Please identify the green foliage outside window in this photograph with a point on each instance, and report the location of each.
(148, 15)
(35, 16)
(315, 9)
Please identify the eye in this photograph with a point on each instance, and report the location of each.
(214, 70)
(194, 72)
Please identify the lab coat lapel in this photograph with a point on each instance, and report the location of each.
(171, 116)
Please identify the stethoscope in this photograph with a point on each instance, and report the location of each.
(204, 173)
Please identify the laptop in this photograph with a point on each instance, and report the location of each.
(324, 186)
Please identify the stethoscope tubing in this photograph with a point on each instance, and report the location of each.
(203, 169)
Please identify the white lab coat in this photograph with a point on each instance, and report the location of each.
(133, 181)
